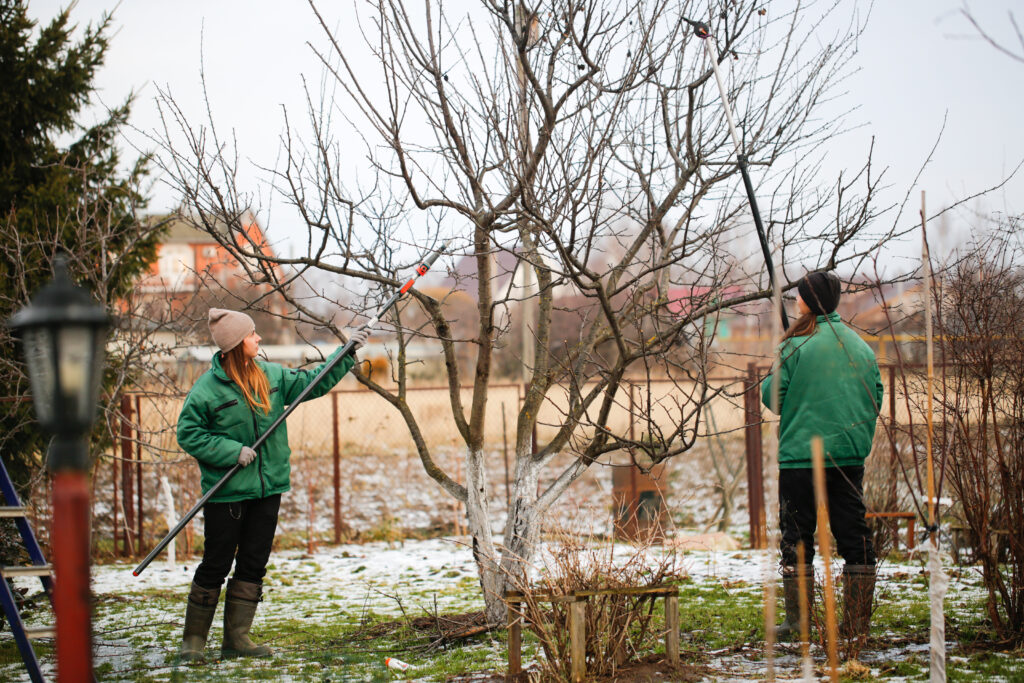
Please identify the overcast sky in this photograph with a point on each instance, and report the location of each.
(919, 61)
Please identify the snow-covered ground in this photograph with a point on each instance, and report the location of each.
(138, 619)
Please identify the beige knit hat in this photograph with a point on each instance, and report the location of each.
(229, 328)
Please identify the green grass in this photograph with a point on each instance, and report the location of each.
(326, 633)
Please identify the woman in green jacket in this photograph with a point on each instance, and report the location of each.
(230, 406)
(828, 386)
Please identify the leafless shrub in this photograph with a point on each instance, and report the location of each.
(619, 628)
(981, 330)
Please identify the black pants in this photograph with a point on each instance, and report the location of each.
(798, 514)
(242, 533)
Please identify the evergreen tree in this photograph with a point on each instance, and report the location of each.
(62, 189)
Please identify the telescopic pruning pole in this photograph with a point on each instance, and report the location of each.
(703, 31)
(372, 322)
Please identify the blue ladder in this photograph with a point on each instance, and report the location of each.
(23, 635)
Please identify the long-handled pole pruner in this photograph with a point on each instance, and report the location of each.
(703, 31)
(422, 268)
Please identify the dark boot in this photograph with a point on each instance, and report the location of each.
(858, 599)
(790, 627)
(240, 604)
(202, 603)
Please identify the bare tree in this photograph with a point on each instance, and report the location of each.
(1013, 52)
(588, 139)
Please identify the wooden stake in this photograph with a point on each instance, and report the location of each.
(578, 639)
(772, 491)
(515, 636)
(805, 612)
(672, 629)
(825, 548)
(926, 266)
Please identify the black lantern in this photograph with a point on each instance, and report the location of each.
(63, 334)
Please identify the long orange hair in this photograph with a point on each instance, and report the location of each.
(249, 377)
(804, 326)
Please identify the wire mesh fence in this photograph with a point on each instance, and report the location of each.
(356, 472)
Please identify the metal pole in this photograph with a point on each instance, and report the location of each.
(755, 478)
(70, 538)
(336, 452)
(420, 270)
(504, 451)
(703, 31)
(126, 475)
(114, 464)
(138, 471)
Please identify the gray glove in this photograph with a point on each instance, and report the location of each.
(246, 456)
(359, 337)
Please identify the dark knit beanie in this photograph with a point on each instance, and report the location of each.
(820, 291)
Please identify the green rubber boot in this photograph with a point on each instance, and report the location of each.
(790, 627)
(202, 603)
(240, 604)
(858, 600)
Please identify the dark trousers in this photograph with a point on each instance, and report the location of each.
(242, 533)
(798, 514)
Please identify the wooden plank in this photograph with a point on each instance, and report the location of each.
(515, 639)
(654, 591)
(672, 626)
(578, 640)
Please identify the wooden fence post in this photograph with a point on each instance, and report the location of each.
(578, 639)
(672, 626)
(515, 638)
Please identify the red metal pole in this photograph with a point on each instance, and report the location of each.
(70, 537)
(893, 455)
(337, 468)
(114, 464)
(126, 472)
(138, 472)
(755, 475)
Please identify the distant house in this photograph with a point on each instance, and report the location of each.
(193, 272)
(187, 257)
(682, 300)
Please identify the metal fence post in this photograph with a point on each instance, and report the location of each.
(755, 473)
(139, 516)
(892, 415)
(127, 493)
(113, 478)
(336, 452)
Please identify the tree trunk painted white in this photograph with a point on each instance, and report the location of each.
(170, 515)
(485, 553)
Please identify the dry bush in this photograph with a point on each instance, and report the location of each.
(981, 432)
(619, 628)
(886, 489)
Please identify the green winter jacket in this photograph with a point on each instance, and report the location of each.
(216, 422)
(829, 386)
